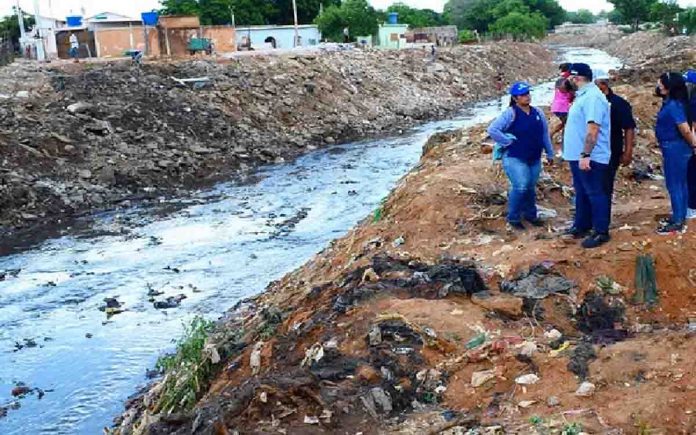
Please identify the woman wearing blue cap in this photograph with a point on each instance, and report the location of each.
(523, 133)
(677, 143)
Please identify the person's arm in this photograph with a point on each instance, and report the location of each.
(498, 127)
(676, 111)
(688, 135)
(628, 124)
(548, 146)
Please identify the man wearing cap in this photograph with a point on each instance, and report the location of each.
(587, 149)
(623, 131)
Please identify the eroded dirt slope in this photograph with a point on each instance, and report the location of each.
(430, 317)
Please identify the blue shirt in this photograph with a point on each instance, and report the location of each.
(590, 105)
(670, 115)
(508, 130)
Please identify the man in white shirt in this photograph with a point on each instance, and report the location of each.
(74, 47)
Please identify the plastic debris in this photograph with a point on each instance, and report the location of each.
(537, 283)
(476, 341)
(526, 403)
(398, 241)
(528, 379)
(255, 358)
(557, 352)
(646, 281)
(528, 349)
(313, 354)
(310, 419)
(553, 334)
(480, 378)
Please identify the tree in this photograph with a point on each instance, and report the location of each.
(633, 12)
(416, 17)
(481, 14)
(179, 7)
(307, 10)
(665, 12)
(9, 27)
(687, 20)
(360, 18)
(582, 16)
(551, 9)
(521, 26)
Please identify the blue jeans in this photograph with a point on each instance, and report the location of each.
(523, 177)
(592, 202)
(675, 162)
(691, 180)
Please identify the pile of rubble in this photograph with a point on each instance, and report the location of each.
(641, 48)
(76, 137)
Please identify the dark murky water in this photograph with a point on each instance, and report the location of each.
(226, 245)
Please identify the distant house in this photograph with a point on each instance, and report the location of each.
(258, 37)
(441, 36)
(392, 35)
(106, 20)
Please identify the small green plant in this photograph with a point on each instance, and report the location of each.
(466, 36)
(536, 420)
(379, 213)
(187, 371)
(571, 429)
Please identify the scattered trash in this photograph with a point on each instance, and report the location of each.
(311, 419)
(313, 354)
(586, 389)
(399, 241)
(374, 337)
(382, 399)
(480, 378)
(477, 341)
(537, 283)
(646, 281)
(553, 335)
(112, 307)
(526, 403)
(528, 349)
(528, 379)
(26, 343)
(21, 390)
(546, 213)
(170, 302)
(599, 318)
(609, 286)
(580, 360)
(557, 352)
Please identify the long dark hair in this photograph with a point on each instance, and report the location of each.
(677, 90)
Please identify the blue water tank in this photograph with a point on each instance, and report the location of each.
(74, 20)
(150, 18)
(392, 18)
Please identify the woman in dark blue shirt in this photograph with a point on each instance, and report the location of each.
(677, 143)
(523, 133)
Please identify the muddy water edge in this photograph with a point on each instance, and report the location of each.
(219, 246)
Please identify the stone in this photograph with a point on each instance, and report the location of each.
(553, 401)
(528, 379)
(586, 389)
(382, 399)
(85, 173)
(504, 304)
(528, 349)
(79, 107)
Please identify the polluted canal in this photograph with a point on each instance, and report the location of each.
(72, 365)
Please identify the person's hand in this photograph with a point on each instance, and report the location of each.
(626, 158)
(585, 164)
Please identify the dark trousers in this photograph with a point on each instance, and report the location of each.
(691, 181)
(612, 169)
(591, 197)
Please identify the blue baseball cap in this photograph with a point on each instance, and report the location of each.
(520, 88)
(582, 70)
(690, 76)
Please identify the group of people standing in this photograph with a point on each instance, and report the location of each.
(598, 136)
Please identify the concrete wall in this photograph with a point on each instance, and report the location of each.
(179, 21)
(392, 35)
(113, 42)
(223, 37)
(284, 36)
(444, 35)
(175, 41)
(84, 37)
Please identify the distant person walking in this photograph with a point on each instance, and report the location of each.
(74, 47)
(677, 143)
(623, 132)
(523, 133)
(587, 149)
(346, 35)
(562, 98)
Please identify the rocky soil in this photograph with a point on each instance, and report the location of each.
(430, 317)
(79, 137)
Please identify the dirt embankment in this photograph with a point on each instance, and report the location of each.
(76, 137)
(430, 317)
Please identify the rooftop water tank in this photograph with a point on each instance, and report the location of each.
(392, 18)
(74, 20)
(150, 18)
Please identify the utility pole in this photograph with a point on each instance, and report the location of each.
(22, 32)
(297, 30)
(40, 49)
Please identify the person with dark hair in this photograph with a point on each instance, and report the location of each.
(623, 131)
(562, 98)
(523, 133)
(677, 143)
(690, 78)
(586, 147)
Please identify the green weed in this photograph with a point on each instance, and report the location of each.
(187, 371)
(571, 429)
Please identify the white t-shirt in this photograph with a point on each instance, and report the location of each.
(73, 41)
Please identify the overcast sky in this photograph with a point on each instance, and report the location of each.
(61, 8)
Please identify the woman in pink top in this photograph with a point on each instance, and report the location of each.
(562, 98)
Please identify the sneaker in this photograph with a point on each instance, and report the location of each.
(575, 233)
(595, 240)
(670, 228)
(536, 222)
(516, 226)
(691, 213)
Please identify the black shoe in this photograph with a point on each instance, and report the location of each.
(516, 226)
(668, 228)
(536, 222)
(595, 240)
(575, 233)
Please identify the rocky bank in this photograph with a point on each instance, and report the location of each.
(430, 317)
(98, 135)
